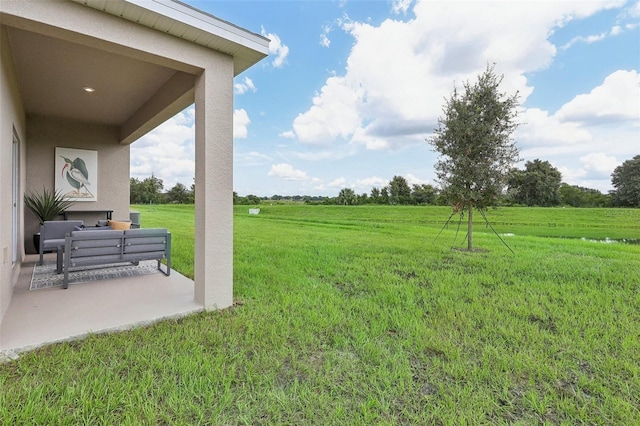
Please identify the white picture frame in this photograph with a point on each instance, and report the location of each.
(77, 173)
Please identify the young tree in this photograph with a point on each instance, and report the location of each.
(626, 181)
(474, 140)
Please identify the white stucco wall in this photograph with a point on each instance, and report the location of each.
(213, 260)
(11, 116)
(44, 134)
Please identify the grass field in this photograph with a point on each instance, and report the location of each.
(360, 315)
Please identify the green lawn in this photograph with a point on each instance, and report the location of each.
(359, 315)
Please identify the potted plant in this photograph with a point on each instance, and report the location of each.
(46, 205)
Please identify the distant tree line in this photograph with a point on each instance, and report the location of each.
(538, 184)
(150, 191)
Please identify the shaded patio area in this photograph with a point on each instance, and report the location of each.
(94, 77)
(38, 317)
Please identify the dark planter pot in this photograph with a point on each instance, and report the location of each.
(36, 242)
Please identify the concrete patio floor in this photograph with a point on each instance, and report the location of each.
(39, 317)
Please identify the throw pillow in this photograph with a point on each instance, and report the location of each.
(120, 226)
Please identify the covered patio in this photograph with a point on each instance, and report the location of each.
(39, 317)
(97, 75)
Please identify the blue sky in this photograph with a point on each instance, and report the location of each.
(351, 90)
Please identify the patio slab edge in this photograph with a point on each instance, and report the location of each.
(12, 354)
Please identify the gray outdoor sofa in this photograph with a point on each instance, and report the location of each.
(98, 247)
(52, 233)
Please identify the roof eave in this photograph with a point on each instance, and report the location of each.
(185, 22)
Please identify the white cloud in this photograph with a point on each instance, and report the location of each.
(618, 98)
(616, 30)
(371, 182)
(252, 158)
(338, 183)
(359, 185)
(398, 73)
(240, 123)
(413, 180)
(396, 70)
(288, 134)
(287, 172)
(628, 13)
(599, 164)
(608, 117)
(584, 39)
(244, 87)
(586, 178)
(334, 114)
(168, 151)
(634, 10)
(572, 175)
(400, 6)
(324, 40)
(324, 36)
(546, 132)
(277, 48)
(587, 124)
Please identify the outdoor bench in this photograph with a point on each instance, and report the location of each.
(89, 248)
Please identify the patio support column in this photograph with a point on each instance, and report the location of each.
(213, 260)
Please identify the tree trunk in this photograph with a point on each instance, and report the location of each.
(470, 229)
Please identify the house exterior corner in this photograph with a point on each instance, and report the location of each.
(158, 73)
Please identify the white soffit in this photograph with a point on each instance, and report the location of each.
(185, 22)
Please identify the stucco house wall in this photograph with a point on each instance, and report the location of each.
(11, 116)
(44, 134)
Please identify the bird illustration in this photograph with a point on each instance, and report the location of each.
(77, 174)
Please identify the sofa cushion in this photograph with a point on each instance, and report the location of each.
(56, 229)
(94, 228)
(120, 226)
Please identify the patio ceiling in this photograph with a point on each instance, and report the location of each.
(53, 72)
(134, 90)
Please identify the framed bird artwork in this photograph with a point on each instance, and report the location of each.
(77, 173)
